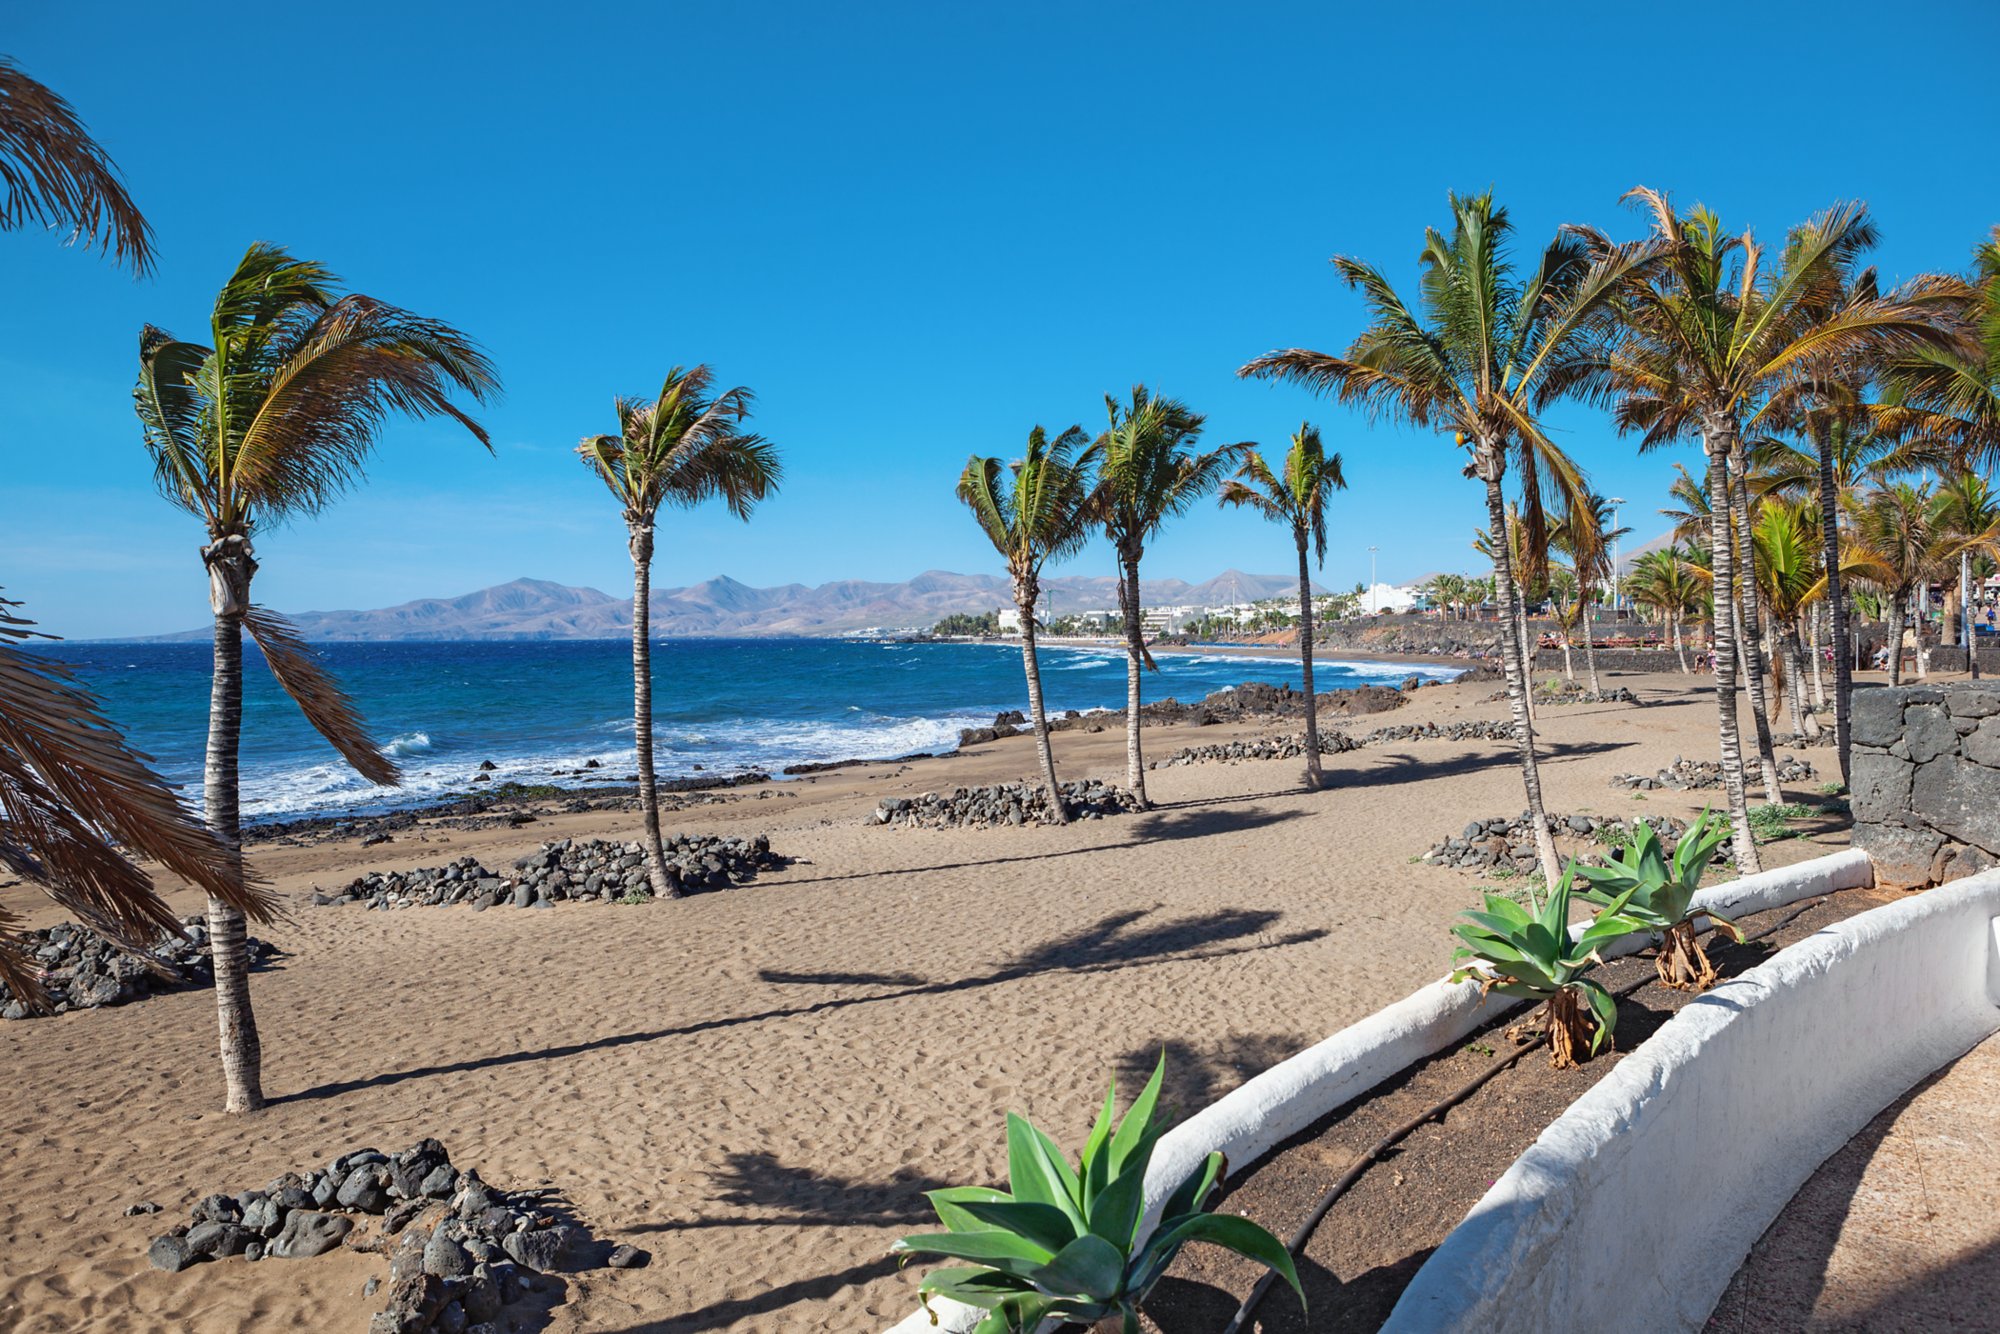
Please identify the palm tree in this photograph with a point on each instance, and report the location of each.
(1894, 529)
(1486, 349)
(1790, 577)
(1038, 514)
(1968, 523)
(272, 420)
(77, 803)
(55, 175)
(1710, 335)
(1848, 454)
(1147, 473)
(681, 449)
(1297, 498)
(1585, 535)
(1670, 585)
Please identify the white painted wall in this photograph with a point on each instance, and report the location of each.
(1641, 1201)
(1251, 1120)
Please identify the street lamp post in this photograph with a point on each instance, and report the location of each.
(1374, 599)
(1617, 595)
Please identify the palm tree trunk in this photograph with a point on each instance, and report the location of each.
(1804, 721)
(1815, 653)
(1569, 663)
(1894, 613)
(1589, 648)
(1026, 594)
(1528, 647)
(641, 543)
(1680, 650)
(1135, 663)
(1314, 775)
(1752, 645)
(1722, 635)
(1513, 654)
(230, 566)
(1921, 601)
(1836, 600)
(1965, 611)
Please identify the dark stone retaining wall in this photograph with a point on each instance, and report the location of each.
(1926, 780)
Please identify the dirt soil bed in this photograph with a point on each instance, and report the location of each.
(1382, 1230)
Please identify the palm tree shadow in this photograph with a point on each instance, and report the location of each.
(1195, 818)
(1113, 942)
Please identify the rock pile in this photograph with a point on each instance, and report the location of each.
(1686, 774)
(465, 1249)
(1462, 729)
(1001, 804)
(1509, 841)
(81, 970)
(1293, 747)
(582, 870)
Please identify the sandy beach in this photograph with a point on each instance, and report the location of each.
(756, 1085)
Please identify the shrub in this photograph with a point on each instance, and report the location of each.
(1528, 952)
(1656, 890)
(1065, 1242)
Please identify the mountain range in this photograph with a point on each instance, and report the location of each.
(538, 609)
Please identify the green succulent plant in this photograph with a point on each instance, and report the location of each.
(1657, 891)
(1065, 1242)
(1528, 952)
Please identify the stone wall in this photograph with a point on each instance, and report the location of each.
(1926, 780)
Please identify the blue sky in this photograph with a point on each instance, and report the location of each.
(915, 231)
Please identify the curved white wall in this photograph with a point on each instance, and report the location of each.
(1256, 1117)
(1646, 1194)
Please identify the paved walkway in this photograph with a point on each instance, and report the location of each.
(1899, 1231)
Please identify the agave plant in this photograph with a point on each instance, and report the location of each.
(1657, 890)
(1066, 1242)
(1530, 954)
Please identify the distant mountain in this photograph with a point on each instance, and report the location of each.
(538, 609)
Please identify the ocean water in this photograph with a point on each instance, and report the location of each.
(719, 706)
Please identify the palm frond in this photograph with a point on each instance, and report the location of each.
(319, 697)
(77, 803)
(54, 174)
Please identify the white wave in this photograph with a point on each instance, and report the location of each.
(410, 743)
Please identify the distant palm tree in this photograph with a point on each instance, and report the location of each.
(682, 448)
(1586, 536)
(1710, 335)
(273, 420)
(1486, 349)
(77, 803)
(1147, 472)
(1895, 531)
(1296, 497)
(1968, 522)
(54, 174)
(1037, 513)
(1666, 582)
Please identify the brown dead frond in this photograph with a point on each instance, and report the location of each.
(54, 174)
(326, 706)
(77, 804)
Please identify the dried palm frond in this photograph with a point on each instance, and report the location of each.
(53, 173)
(77, 803)
(326, 706)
